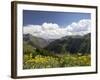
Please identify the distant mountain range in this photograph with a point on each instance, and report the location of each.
(72, 44)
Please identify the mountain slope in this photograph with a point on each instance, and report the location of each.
(72, 44)
(35, 41)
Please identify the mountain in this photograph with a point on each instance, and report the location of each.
(35, 41)
(85, 46)
(72, 44)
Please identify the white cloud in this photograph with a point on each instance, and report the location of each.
(49, 26)
(80, 28)
(54, 31)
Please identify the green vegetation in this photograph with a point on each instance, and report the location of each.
(40, 60)
(69, 51)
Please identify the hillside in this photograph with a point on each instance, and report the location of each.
(35, 41)
(72, 44)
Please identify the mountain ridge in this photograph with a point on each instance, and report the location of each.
(72, 44)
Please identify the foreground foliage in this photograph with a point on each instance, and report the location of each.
(65, 60)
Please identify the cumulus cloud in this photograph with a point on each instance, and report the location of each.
(50, 26)
(80, 28)
(54, 31)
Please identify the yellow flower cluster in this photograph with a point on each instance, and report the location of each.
(40, 61)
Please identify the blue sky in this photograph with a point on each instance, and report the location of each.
(31, 17)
